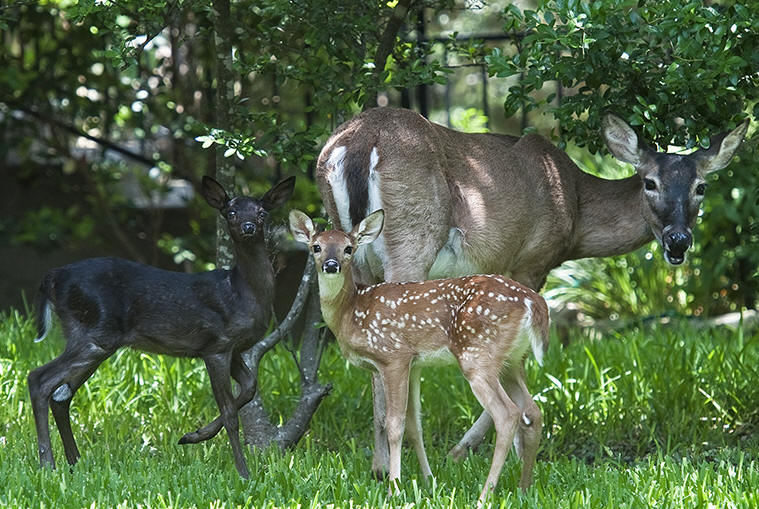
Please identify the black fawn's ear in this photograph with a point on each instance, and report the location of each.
(622, 140)
(722, 148)
(214, 193)
(279, 194)
(370, 228)
(301, 226)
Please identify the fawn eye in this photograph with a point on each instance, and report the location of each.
(317, 248)
(700, 189)
(231, 214)
(649, 185)
(348, 250)
(262, 215)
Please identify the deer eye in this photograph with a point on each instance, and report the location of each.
(231, 214)
(700, 189)
(317, 248)
(348, 250)
(649, 185)
(262, 215)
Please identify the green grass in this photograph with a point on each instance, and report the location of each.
(658, 415)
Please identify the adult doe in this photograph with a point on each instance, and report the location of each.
(460, 204)
(104, 304)
(487, 323)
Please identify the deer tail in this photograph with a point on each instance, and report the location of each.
(538, 327)
(42, 307)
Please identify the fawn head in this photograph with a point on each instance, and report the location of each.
(673, 184)
(333, 250)
(246, 216)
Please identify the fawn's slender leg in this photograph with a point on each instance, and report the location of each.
(244, 377)
(60, 402)
(395, 379)
(219, 366)
(414, 421)
(52, 386)
(381, 457)
(504, 412)
(530, 428)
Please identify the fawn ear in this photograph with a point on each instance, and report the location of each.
(722, 148)
(301, 226)
(279, 194)
(370, 228)
(214, 193)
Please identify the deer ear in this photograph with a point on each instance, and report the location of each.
(301, 226)
(622, 140)
(214, 193)
(279, 194)
(370, 228)
(722, 148)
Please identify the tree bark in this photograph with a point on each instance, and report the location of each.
(385, 47)
(225, 92)
(257, 426)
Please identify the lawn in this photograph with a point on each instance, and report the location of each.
(654, 415)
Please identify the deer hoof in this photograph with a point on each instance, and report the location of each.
(189, 438)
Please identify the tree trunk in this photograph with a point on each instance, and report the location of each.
(225, 92)
(257, 426)
(385, 47)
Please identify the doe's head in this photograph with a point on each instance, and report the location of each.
(673, 185)
(246, 216)
(332, 250)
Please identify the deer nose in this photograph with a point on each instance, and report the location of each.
(678, 241)
(331, 267)
(248, 228)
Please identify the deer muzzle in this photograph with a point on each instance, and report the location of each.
(331, 266)
(676, 242)
(248, 228)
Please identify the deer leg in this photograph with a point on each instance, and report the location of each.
(396, 382)
(530, 427)
(473, 437)
(219, 367)
(244, 377)
(60, 403)
(381, 459)
(414, 421)
(52, 386)
(505, 413)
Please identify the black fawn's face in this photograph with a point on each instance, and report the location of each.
(332, 252)
(246, 218)
(673, 191)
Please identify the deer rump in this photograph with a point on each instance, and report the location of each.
(449, 198)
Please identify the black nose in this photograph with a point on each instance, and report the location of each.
(678, 241)
(248, 228)
(331, 267)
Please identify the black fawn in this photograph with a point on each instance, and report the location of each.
(104, 304)
(485, 323)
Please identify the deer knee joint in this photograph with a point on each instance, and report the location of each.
(62, 393)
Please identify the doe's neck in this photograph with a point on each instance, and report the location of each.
(611, 219)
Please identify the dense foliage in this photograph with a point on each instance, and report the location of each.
(680, 72)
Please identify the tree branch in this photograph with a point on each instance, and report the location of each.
(78, 132)
(385, 47)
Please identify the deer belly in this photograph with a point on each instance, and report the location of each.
(440, 357)
(453, 260)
